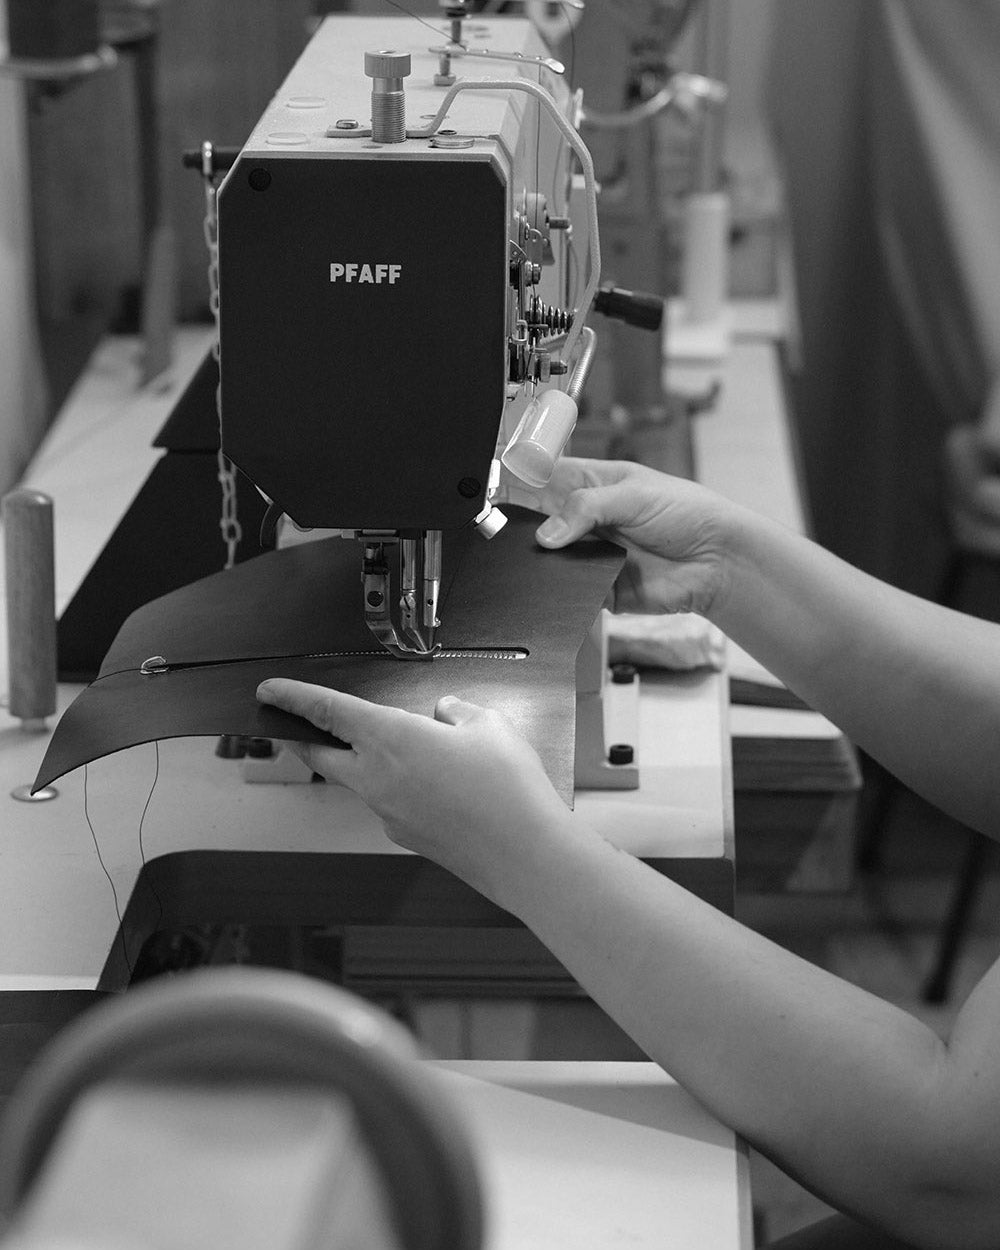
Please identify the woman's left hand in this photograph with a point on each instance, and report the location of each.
(462, 788)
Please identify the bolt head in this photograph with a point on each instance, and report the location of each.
(621, 753)
(623, 674)
(387, 64)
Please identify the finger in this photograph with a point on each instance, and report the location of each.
(568, 475)
(343, 715)
(332, 763)
(573, 472)
(585, 509)
(520, 496)
(454, 711)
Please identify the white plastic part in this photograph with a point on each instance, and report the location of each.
(490, 521)
(705, 268)
(540, 437)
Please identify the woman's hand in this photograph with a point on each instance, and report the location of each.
(462, 789)
(675, 530)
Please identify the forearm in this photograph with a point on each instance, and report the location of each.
(914, 684)
(817, 1074)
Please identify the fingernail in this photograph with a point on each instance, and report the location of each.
(553, 530)
(263, 691)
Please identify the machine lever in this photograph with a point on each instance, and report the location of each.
(221, 158)
(635, 308)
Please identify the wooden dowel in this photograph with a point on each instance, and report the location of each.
(31, 620)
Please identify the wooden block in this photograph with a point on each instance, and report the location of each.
(31, 619)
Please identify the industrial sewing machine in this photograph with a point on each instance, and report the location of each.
(405, 253)
(400, 300)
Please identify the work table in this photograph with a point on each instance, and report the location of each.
(619, 1155)
(57, 913)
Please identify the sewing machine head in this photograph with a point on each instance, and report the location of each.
(393, 294)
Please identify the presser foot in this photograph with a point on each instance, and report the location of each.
(420, 579)
(406, 643)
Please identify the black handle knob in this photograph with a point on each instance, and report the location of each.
(635, 308)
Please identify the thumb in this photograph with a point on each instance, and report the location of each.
(452, 711)
(554, 532)
(585, 509)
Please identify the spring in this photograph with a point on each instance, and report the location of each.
(548, 319)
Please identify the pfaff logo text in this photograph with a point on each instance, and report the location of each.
(375, 274)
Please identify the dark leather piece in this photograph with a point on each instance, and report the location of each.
(294, 613)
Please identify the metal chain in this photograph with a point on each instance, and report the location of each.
(229, 523)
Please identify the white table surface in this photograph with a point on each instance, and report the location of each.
(588, 1156)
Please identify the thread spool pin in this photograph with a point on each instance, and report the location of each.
(387, 69)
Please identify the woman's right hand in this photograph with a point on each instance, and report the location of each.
(675, 531)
